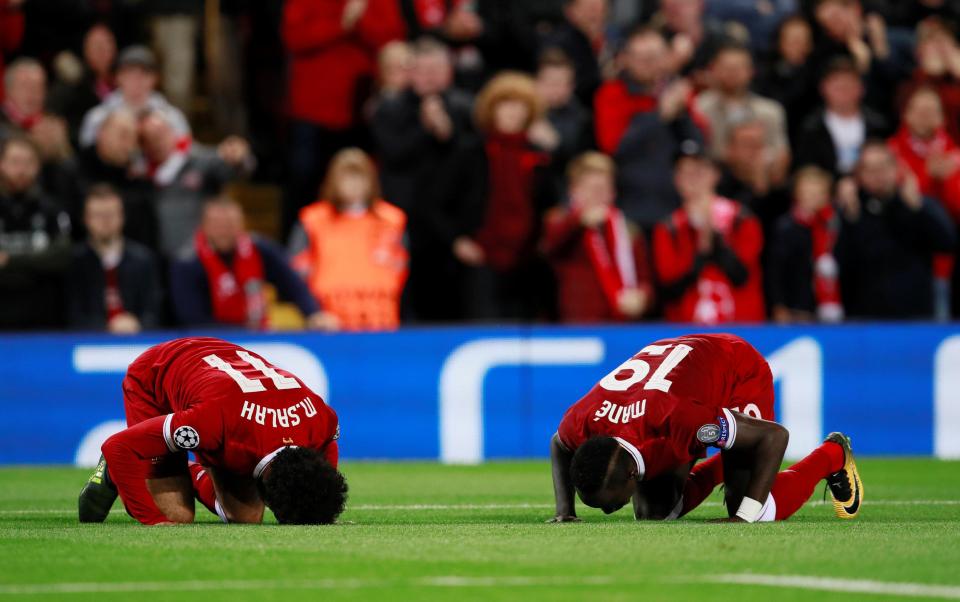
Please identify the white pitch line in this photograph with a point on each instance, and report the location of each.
(854, 586)
(518, 506)
(440, 581)
(857, 586)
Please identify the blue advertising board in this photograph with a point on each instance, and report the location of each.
(469, 394)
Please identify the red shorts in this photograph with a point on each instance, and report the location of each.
(141, 402)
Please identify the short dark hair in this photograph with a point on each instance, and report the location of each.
(840, 65)
(734, 46)
(642, 31)
(302, 488)
(878, 143)
(554, 57)
(101, 190)
(588, 470)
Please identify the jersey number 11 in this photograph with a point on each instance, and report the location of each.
(249, 385)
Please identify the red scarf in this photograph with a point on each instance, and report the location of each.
(19, 119)
(236, 292)
(611, 255)
(914, 152)
(714, 300)
(826, 288)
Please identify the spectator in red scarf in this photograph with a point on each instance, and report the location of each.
(924, 146)
(707, 253)
(599, 259)
(185, 173)
(802, 273)
(641, 117)
(223, 279)
(23, 110)
(333, 46)
(11, 31)
(938, 67)
(504, 278)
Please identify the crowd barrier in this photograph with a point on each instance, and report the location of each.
(463, 395)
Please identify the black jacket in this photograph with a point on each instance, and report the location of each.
(140, 217)
(814, 145)
(138, 279)
(411, 158)
(580, 51)
(35, 234)
(886, 258)
(789, 273)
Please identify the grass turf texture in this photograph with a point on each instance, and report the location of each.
(429, 532)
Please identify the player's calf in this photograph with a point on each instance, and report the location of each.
(173, 497)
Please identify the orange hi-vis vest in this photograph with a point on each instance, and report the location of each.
(356, 264)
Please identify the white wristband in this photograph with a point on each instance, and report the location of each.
(750, 510)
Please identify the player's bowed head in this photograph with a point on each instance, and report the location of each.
(603, 474)
(302, 488)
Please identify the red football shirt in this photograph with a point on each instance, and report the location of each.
(226, 404)
(658, 401)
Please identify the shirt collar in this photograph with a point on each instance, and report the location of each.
(265, 461)
(633, 451)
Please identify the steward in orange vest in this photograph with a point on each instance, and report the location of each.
(355, 262)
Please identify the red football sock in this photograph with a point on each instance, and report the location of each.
(704, 478)
(795, 485)
(203, 486)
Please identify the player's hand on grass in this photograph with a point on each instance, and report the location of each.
(564, 518)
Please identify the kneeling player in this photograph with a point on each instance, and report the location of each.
(260, 435)
(640, 431)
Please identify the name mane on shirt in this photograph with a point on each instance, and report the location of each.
(283, 418)
(618, 414)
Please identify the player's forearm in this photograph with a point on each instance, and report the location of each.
(768, 456)
(125, 454)
(560, 458)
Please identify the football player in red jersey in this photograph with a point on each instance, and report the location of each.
(261, 437)
(638, 434)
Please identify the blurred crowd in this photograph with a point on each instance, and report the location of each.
(445, 161)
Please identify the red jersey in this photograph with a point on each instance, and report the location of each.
(226, 404)
(667, 403)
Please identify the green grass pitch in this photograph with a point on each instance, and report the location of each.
(417, 531)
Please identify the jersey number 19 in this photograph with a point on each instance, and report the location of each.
(658, 381)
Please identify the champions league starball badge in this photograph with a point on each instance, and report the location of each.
(186, 437)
